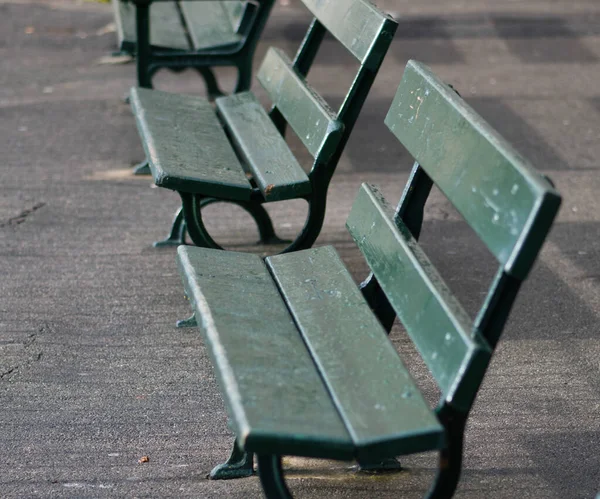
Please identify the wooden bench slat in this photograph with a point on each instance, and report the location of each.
(451, 142)
(376, 396)
(276, 171)
(208, 24)
(357, 24)
(166, 30)
(275, 397)
(436, 322)
(235, 12)
(186, 146)
(305, 111)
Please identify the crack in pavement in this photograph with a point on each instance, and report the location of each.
(27, 344)
(20, 218)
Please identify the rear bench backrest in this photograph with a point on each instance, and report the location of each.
(508, 204)
(367, 33)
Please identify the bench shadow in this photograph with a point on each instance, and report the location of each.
(569, 461)
(543, 39)
(546, 308)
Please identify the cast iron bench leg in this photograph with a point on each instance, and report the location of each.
(212, 87)
(239, 465)
(177, 234)
(189, 322)
(271, 477)
(192, 214)
(450, 461)
(142, 168)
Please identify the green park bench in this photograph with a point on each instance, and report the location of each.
(239, 153)
(301, 352)
(191, 34)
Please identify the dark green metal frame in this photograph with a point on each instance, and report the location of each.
(325, 162)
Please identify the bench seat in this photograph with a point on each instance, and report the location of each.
(188, 150)
(207, 23)
(305, 366)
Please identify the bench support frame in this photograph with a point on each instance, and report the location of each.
(239, 465)
(239, 55)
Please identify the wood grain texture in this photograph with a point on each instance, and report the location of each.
(208, 24)
(357, 24)
(382, 407)
(276, 171)
(306, 112)
(186, 147)
(508, 204)
(273, 392)
(436, 322)
(166, 29)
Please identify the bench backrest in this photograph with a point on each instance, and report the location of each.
(367, 33)
(508, 204)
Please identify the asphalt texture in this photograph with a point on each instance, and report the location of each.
(93, 373)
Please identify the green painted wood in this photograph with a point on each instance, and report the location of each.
(235, 12)
(166, 30)
(357, 24)
(276, 171)
(186, 147)
(382, 407)
(208, 24)
(275, 397)
(305, 111)
(436, 322)
(496, 190)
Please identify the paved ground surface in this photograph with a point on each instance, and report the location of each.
(93, 375)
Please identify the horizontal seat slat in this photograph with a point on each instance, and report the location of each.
(166, 30)
(277, 173)
(275, 397)
(451, 141)
(186, 146)
(376, 396)
(357, 24)
(436, 322)
(305, 111)
(208, 24)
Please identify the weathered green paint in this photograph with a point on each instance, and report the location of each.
(189, 34)
(166, 30)
(433, 318)
(296, 104)
(273, 392)
(357, 24)
(173, 127)
(303, 308)
(495, 189)
(277, 173)
(305, 111)
(379, 402)
(208, 24)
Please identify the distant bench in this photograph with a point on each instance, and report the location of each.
(239, 154)
(197, 34)
(303, 362)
